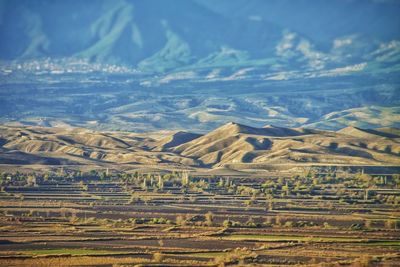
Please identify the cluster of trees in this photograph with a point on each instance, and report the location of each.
(306, 180)
(206, 220)
(310, 182)
(20, 179)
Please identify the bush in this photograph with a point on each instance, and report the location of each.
(289, 224)
(227, 223)
(356, 226)
(158, 257)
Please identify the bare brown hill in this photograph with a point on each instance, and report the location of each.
(174, 139)
(371, 133)
(81, 146)
(231, 145)
(235, 143)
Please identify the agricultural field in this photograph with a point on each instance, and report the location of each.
(111, 218)
(185, 133)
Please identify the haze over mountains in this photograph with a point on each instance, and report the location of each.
(232, 146)
(160, 35)
(185, 64)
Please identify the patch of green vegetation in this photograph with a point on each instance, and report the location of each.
(207, 254)
(41, 252)
(383, 243)
(275, 238)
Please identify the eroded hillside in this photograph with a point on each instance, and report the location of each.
(232, 146)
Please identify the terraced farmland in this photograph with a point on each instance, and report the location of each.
(179, 219)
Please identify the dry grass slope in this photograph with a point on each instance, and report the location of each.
(228, 145)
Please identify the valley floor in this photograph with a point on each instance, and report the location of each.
(177, 220)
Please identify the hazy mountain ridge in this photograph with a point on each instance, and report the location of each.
(150, 65)
(109, 104)
(232, 145)
(157, 36)
(150, 34)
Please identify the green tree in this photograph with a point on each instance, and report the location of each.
(227, 223)
(209, 218)
(160, 182)
(185, 178)
(180, 220)
(31, 180)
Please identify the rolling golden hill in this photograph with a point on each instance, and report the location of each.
(229, 146)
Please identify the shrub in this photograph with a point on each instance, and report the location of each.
(209, 218)
(289, 224)
(227, 223)
(158, 257)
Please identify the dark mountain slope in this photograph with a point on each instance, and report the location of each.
(127, 32)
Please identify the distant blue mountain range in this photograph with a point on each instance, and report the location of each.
(161, 35)
(196, 64)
